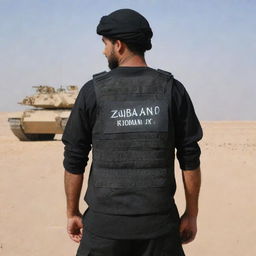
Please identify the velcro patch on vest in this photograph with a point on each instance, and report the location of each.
(135, 116)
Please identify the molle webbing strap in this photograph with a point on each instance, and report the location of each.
(119, 178)
(133, 142)
(132, 158)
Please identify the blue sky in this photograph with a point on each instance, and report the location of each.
(210, 46)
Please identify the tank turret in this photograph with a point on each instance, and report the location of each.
(51, 98)
(49, 115)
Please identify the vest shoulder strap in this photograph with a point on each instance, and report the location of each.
(99, 76)
(165, 73)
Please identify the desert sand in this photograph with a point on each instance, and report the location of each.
(32, 200)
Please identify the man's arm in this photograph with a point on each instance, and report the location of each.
(73, 185)
(77, 141)
(188, 132)
(188, 225)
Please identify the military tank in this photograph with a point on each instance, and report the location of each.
(49, 115)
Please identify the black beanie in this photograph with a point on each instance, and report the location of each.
(128, 26)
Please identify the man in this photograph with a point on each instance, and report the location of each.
(133, 117)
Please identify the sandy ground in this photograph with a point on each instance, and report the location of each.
(32, 202)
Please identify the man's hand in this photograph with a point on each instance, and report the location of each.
(73, 184)
(75, 227)
(188, 228)
(188, 224)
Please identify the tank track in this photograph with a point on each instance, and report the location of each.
(15, 125)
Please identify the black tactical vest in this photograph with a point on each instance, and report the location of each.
(132, 169)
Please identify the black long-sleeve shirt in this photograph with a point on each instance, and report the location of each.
(77, 138)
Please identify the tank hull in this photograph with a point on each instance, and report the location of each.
(38, 124)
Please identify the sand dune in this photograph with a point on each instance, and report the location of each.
(32, 214)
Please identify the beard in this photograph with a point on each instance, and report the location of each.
(112, 61)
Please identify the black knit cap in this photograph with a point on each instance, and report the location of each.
(128, 26)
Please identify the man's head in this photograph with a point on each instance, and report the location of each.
(125, 33)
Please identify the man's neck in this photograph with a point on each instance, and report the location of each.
(132, 60)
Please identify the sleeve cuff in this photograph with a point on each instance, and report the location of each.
(190, 166)
(73, 170)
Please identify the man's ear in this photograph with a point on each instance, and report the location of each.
(119, 46)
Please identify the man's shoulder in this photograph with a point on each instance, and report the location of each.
(86, 89)
(87, 86)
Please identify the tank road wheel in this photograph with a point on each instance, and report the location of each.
(15, 124)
